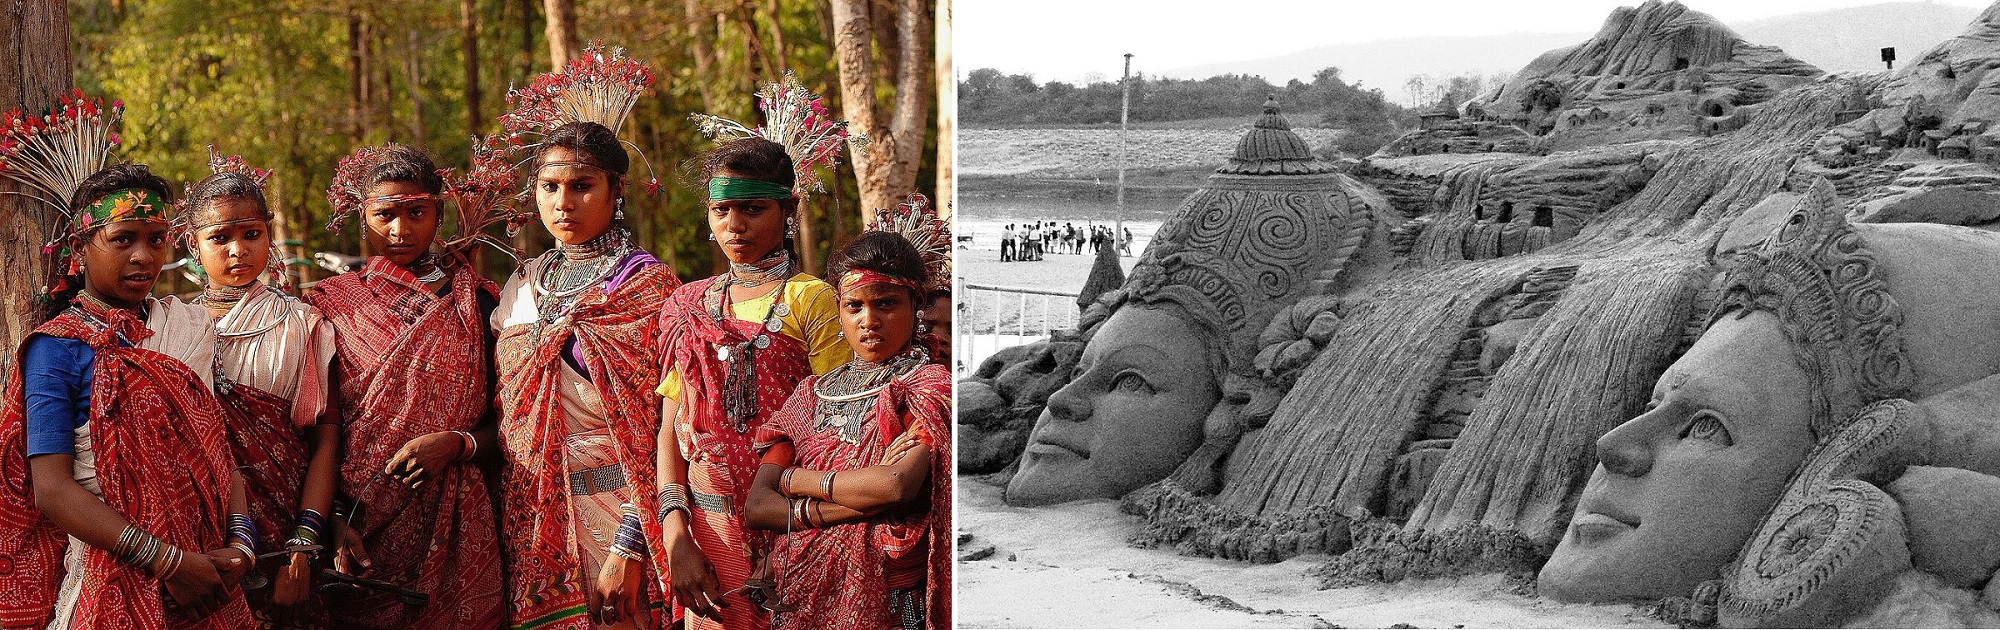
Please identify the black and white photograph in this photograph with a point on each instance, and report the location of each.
(1459, 314)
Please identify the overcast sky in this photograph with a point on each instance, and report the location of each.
(1070, 40)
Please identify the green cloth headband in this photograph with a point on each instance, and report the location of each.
(123, 205)
(726, 188)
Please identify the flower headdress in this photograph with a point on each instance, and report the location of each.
(917, 221)
(348, 193)
(600, 87)
(797, 119)
(51, 155)
(184, 220)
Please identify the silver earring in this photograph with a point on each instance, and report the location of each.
(619, 214)
(711, 236)
(791, 228)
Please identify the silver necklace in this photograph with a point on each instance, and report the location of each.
(435, 274)
(858, 382)
(575, 269)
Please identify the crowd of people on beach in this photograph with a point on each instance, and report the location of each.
(1031, 241)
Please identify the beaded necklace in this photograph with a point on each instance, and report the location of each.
(847, 394)
(774, 267)
(739, 383)
(430, 261)
(222, 298)
(576, 268)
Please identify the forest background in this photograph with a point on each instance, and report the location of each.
(294, 85)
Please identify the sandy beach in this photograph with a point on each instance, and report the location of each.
(1068, 566)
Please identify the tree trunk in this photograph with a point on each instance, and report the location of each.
(357, 90)
(913, 98)
(701, 41)
(888, 169)
(468, 11)
(561, 32)
(34, 74)
(527, 40)
(416, 81)
(382, 59)
(853, 37)
(777, 31)
(947, 118)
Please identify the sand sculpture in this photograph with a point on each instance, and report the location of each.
(1167, 380)
(1467, 388)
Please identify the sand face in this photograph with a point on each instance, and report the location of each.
(1070, 567)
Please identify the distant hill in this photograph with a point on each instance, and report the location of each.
(1385, 64)
(1850, 40)
(1838, 40)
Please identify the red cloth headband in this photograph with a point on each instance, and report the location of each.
(862, 277)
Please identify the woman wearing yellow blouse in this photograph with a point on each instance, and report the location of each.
(736, 345)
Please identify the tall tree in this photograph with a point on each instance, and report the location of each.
(887, 169)
(468, 12)
(34, 75)
(561, 32)
(947, 119)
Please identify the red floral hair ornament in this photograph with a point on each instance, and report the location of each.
(601, 87)
(50, 155)
(918, 221)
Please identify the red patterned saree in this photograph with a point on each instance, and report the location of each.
(616, 335)
(161, 462)
(413, 363)
(841, 577)
(721, 462)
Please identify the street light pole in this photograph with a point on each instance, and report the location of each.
(1124, 117)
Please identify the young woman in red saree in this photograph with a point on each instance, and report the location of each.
(735, 345)
(117, 494)
(272, 357)
(866, 510)
(415, 379)
(579, 331)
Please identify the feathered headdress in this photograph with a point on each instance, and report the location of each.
(486, 196)
(917, 221)
(184, 219)
(600, 87)
(348, 193)
(51, 155)
(797, 119)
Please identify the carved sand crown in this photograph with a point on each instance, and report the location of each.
(1825, 287)
(1263, 233)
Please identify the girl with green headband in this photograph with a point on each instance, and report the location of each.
(736, 345)
(130, 511)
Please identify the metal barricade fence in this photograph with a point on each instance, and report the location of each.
(993, 317)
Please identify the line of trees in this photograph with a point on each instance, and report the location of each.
(990, 97)
(293, 85)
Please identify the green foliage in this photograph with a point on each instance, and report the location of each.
(988, 96)
(269, 80)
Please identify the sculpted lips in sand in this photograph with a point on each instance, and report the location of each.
(1046, 446)
(1592, 528)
